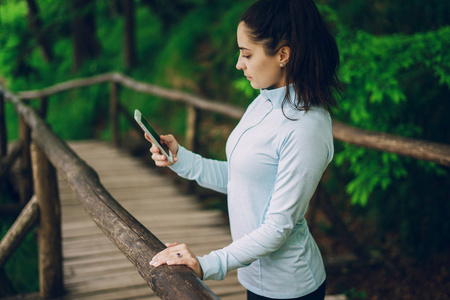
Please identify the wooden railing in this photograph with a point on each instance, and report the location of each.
(419, 149)
(137, 243)
(133, 239)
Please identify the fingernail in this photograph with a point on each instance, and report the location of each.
(169, 262)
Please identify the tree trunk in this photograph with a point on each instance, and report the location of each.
(85, 42)
(3, 131)
(129, 34)
(36, 27)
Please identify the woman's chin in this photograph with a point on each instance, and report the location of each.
(255, 85)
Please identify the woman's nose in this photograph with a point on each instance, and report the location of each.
(239, 64)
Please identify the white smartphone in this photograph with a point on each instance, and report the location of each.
(153, 135)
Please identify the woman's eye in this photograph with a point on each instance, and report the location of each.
(246, 56)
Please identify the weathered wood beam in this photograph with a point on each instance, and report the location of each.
(113, 106)
(173, 95)
(178, 96)
(68, 85)
(192, 128)
(25, 181)
(420, 149)
(18, 230)
(49, 233)
(137, 243)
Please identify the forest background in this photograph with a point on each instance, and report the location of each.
(395, 65)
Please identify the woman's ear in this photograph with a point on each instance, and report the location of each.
(284, 54)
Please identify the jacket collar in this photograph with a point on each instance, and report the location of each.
(276, 96)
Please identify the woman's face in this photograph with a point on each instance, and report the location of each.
(263, 71)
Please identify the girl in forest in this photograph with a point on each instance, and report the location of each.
(276, 155)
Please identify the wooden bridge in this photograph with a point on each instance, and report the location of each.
(105, 193)
(93, 266)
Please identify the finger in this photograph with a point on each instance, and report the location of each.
(161, 162)
(180, 261)
(179, 256)
(154, 149)
(172, 251)
(169, 254)
(158, 157)
(171, 142)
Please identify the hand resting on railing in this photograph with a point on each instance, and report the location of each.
(178, 254)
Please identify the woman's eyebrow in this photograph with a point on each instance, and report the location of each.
(243, 48)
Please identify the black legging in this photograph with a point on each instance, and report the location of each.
(318, 294)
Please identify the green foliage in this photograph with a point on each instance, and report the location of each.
(376, 98)
(354, 294)
(22, 267)
(387, 17)
(396, 73)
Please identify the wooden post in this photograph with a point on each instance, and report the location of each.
(191, 141)
(3, 132)
(50, 252)
(26, 185)
(191, 128)
(114, 102)
(129, 41)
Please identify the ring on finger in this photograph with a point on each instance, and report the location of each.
(178, 254)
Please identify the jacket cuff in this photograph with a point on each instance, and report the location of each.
(209, 264)
(182, 154)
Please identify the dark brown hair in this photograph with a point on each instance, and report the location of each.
(314, 59)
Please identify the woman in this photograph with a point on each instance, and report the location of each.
(276, 155)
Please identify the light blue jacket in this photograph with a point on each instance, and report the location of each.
(272, 170)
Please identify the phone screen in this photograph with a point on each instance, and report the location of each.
(153, 132)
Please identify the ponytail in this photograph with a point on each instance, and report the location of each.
(314, 59)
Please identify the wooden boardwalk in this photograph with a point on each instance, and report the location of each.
(94, 268)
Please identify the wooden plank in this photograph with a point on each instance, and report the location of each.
(93, 267)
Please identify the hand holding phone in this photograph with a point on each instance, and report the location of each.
(154, 137)
(160, 159)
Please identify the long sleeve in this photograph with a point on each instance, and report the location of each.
(208, 173)
(302, 159)
(275, 158)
